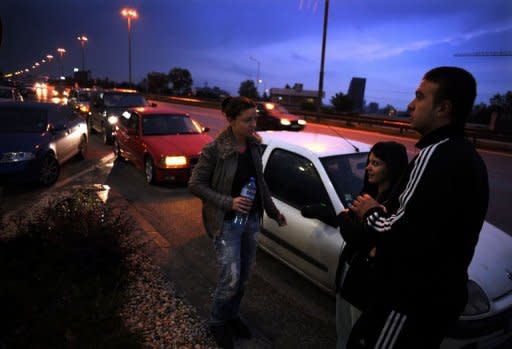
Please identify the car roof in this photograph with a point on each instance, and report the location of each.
(159, 110)
(318, 144)
(33, 105)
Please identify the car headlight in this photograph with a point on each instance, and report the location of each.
(84, 108)
(17, 156)
(478, 302)
(301, 122)
(112, 119)
(174, 161)
(285, 122)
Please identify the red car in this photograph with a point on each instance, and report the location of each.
(163, 142)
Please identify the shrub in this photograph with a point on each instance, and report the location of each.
(63, 275)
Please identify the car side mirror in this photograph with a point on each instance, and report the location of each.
(206, 129)
(321, 212)
(154, 105)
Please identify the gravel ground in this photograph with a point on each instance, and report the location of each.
(158, 312)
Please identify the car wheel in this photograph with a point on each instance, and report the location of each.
(149, 170)
(117, 150)
(50, 170)
(82, 148)
(107, 135)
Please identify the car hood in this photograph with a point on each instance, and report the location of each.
(178, 144)
(491, 266)
(20, 141)
(291, 117)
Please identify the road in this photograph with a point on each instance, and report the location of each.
(285, 310)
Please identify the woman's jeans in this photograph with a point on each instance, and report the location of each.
(236, 254)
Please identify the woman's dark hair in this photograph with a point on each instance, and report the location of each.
(234, 106)
(394, 156)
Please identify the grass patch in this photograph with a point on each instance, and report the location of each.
(63, 275)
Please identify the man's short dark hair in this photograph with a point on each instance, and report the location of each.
(457, 86)
(236, 105)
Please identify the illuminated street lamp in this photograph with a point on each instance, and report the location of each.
(61, 51)
(258, 81)
(83, 39)
(50, 57)
(129, 13)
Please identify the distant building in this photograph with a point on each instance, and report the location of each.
(356, 93)
(293, 97)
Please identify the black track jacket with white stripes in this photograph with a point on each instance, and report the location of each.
(425, 247)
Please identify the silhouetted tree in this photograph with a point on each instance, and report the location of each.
(341, 102)
(248, 89)
(157, 82)
(209, 92)
(181, 81)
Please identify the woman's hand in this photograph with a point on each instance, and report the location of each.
(241, 204)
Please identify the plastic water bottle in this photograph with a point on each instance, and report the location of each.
(248, 191)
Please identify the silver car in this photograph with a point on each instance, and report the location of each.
(306, 168)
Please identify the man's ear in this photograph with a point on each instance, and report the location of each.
(445, 109)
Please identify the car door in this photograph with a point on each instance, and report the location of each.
(134, 140)
(62, 135)
(310, 246)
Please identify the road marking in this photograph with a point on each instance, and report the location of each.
(103, 160)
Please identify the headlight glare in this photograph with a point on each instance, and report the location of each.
(112, 119)
(17, 156)
(301, 122)
(478, 302)
(285, 122)
(174, 161)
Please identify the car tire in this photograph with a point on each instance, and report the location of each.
(49, 171)
(149, 170)
(117, 151)
(82, 148)
(107, 135)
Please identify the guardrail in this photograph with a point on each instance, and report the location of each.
(474, 132)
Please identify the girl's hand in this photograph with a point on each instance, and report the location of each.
(241, 204)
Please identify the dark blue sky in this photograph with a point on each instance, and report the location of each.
(390, 42)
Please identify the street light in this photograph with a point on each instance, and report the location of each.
(258, 81)
(83, 39)
(61, 51)
(129, 13)
(324, 38)
(50, 57)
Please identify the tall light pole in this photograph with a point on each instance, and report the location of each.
(83, 39)
(129, 13)
(257, 71)
(324, 39)
(61, 51)
(50, 57)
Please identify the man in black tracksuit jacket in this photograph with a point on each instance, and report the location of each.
(425, 247)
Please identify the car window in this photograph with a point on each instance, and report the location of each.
(123, 100)
(294, 179)
(346, 173)
(169, 125)
(15, 120)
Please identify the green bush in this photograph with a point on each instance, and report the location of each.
(63, 275)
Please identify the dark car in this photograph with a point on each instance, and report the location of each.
(106, 108)
(163, 142)
(273, 116)
(36, 138)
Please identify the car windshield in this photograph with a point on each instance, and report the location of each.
(22, 120)
(281, 109)
(346, 173)
(169, 125)
(124, 100)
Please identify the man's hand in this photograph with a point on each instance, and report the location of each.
(241, 204)
(362, 204)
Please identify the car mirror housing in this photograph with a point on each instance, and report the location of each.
(154, 105)
(206, 129)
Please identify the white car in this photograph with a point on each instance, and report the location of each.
(305, 168)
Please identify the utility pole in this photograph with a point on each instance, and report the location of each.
(324, 39)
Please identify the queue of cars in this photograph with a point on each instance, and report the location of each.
(310, 169)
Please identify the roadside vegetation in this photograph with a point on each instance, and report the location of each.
(63, 274)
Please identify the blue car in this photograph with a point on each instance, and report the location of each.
(36, 138)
